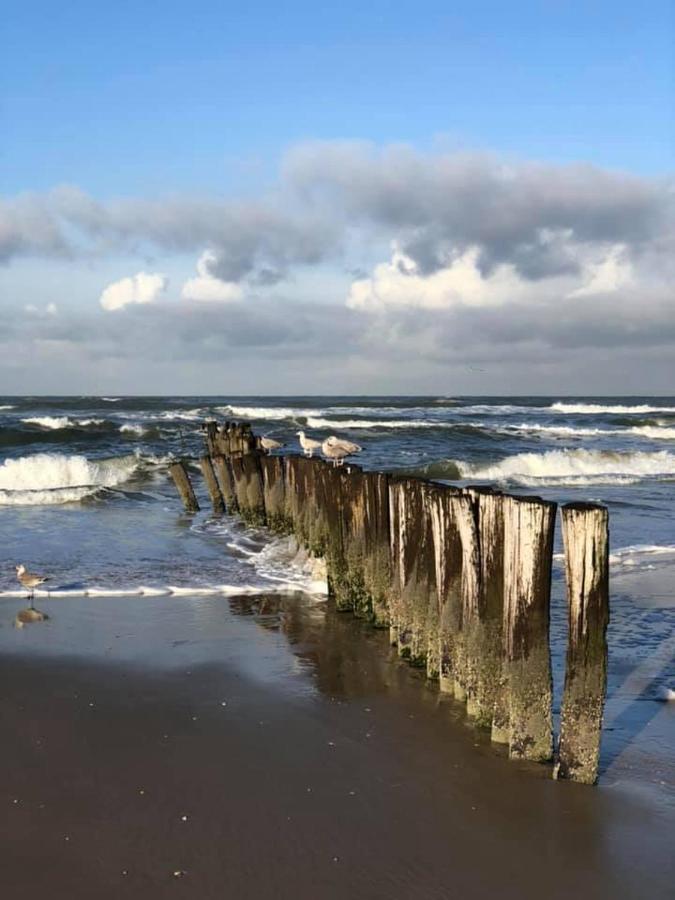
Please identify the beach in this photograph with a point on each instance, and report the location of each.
(269, 747)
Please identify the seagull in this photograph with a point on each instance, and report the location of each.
(29, 580)
(309, 445)
(269, 444)
(335, 452)
(342, 444)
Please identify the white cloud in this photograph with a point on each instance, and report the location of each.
(399, 283)
(143, 287)
(208, 289)
(610, 274)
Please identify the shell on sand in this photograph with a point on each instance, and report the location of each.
(28, 616)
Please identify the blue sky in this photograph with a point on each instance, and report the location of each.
(208, 101)
(132, 96)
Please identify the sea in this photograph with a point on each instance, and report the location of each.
(86, 498)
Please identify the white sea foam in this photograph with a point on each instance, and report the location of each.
(49, 478)
(597, 408)
(654, 432)
(230, 590)
(138, 430)
(318, 422)
(574, 467)
(267, 412)
(111, 399)
(54, 423)
(636, 553)
(6, 406)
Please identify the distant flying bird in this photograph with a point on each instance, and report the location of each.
(29, 580)
(342, 444)
(309, 445)
(269, 444)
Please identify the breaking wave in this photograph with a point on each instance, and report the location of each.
(54, 423)
(574, 467)
(50, 478)
(597, 408)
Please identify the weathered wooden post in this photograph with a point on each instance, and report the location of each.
(274, 493)
(413, 593)
(248, 486)
(377, 562)
(586, 540)
(528, 554)
(226, 481)
(483, 621)
(212, 485)
(182, 481)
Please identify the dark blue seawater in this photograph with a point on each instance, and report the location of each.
(85, 495)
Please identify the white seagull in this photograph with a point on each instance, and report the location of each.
(342, 444)
(269, 444)
(309, 445)
(29, 580)
(335, 452)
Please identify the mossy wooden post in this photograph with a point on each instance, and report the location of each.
(528, 553)
(483, 623)
(413, 568)
(212, 485)
(377, 562)
(248, 485)
(351, 592)
(332, 526)
(223, 472)
(274, 493)
(586, 540)
(456, 563)
(182, 481)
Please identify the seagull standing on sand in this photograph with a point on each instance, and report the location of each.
(309, 445)
(29, 580)
(269, 444)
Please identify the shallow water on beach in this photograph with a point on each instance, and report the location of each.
(85, 496)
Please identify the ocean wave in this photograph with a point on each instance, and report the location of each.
(50, 478)
(6, 407)
(54, 423)
(267, 412)
(597, 409)
(654, 432)
(635, 554)
(574, 467)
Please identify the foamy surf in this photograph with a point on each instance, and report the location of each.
(49, 478)
(574, 467)
(594, 409)
(198, 590)
(55, 423)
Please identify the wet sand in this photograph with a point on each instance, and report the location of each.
(268, 748)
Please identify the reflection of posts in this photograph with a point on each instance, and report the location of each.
(586, 539)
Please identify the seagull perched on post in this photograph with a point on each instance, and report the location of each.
(30, 580)
(336, 452)
(309, 445)
(269, 444)
(342, 444)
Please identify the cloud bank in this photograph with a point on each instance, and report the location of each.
(460, 258)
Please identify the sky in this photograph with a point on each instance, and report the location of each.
(337, 198)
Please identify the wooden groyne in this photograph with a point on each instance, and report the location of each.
(460, 577)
